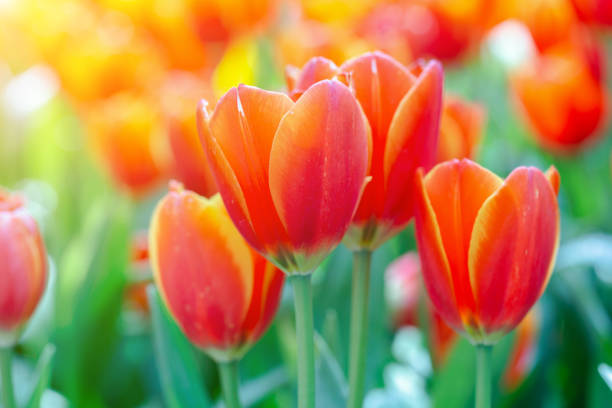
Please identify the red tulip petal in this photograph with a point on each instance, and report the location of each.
(243, 124)
(434, 264)
(315, 70)
(203, 268)
(456, 191)
(513, 246)
(412, 142)
(318, 165)
(379, 83)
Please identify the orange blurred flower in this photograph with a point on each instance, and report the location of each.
(404, 114)
(403, 287)
(562, 95)
(549, 21)
(461, 129)
(180, 93)
(222, 294)
(23, 270)
(291, 174)
(487, 245)
(127, 133)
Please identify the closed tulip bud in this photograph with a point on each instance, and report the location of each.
(404, 114)
(222, 294)
(461, 129)
(562, 96)
(291, 174)
(487, 245)
(23, 270)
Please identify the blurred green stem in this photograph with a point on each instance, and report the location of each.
(302, 295)
(483, 376)
(359, 326)
(228, 371)
(8, 399)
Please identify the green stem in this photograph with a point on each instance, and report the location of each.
(229, 383)
(302, 294)
(8, 397)
(359, 326)
(483, 376)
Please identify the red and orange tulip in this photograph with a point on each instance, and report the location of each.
(404, 114)
(403, 288)
(562, 96)
(594, 11)
(23, 270)
(291, 174)
(487, 246)
(461, 129)
(222, 294)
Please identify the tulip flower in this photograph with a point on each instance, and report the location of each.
(402, 290)
(562, 96)
(594, 11)
(127, 134)
(291, 176)
(404, 114)
(461, 129)
(222, 294)
(23, 276)
(136, 293)
(487, 247)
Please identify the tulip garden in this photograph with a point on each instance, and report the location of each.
(305, 203)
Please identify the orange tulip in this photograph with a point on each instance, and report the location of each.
(127, 133)
(562, 96)
(403, 287)
(487, 246)
(23, 270)
(404, 114)
(190, 166)
(222, 294)
(291, 174)
(549, 21)
(461, 129)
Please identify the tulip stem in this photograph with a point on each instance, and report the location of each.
(8, 398)
(228, 370)
(483, 376)
(359, 326)
(302, 295)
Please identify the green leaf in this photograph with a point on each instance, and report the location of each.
(255, 390)
(331, 386)
(42, 376)
(181, 381)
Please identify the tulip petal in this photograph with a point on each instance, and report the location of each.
(456, 191)
(379, 83)
(315, 70)
(318, 164)
(513, 246)
(226, 180)
(434, 264)
(412, 141)
(243, 124)
(203, 268)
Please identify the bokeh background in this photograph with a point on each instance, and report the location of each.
(97, 113)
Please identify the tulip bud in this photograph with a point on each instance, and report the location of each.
(291, 174)
(23, 270)
(487, 246)
(222, 294)
(461, 129)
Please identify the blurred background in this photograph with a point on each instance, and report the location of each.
(97, 113)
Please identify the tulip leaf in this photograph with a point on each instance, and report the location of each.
(257, 389)
(181, 381)
(331, 386)
(42, 376)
